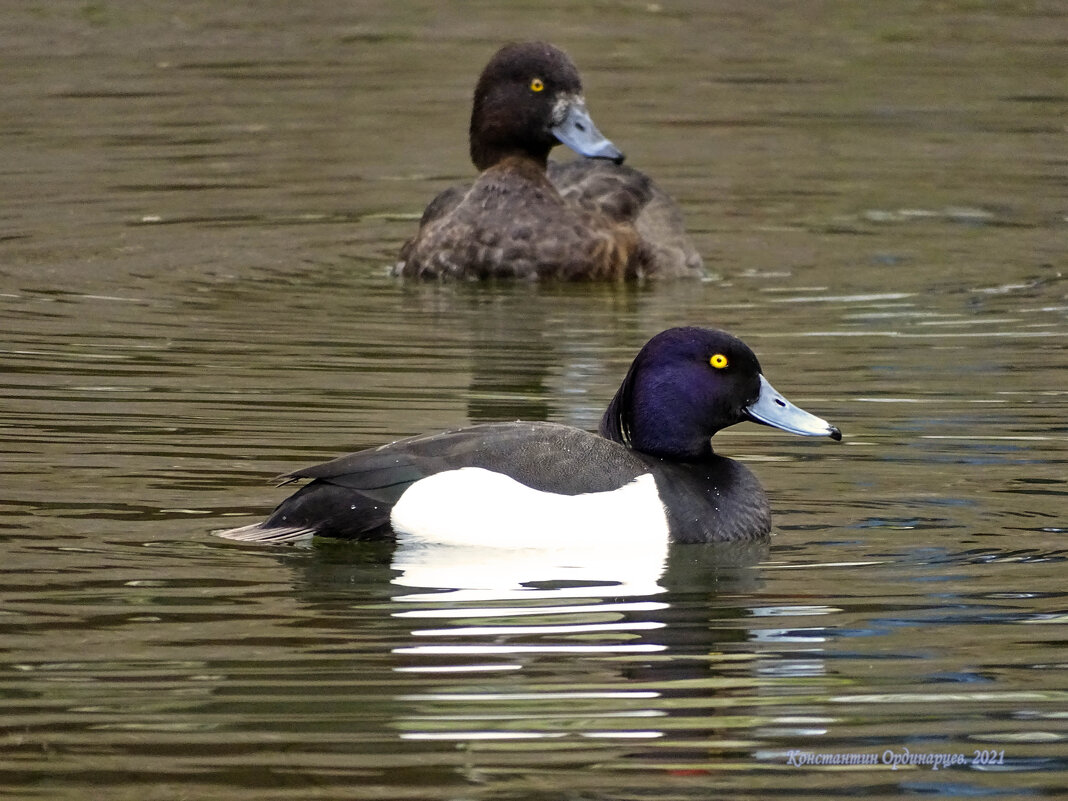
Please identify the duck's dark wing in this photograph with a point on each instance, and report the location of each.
(626, 195)
(352, 497)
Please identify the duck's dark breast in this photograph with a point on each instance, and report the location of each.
(717, 500)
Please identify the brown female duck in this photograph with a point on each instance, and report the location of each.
(592, 219)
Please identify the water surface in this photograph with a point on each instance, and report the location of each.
(200, 207)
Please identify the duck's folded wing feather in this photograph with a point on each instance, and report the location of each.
(546, 456)
(625, 195)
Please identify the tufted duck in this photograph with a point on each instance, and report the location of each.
(586, 220)
(649, 471)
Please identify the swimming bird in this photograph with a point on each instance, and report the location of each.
(523, 218)
(649, 471)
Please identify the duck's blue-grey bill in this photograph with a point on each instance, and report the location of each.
(772, 409)
(578, 132)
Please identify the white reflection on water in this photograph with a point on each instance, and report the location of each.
(517, 605)
(465, 631)
(482, 649)
(474, 572)
(496, 611)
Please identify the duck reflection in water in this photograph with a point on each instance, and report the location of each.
(490, 646)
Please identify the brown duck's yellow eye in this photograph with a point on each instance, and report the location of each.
(719, 361)
(537, 85)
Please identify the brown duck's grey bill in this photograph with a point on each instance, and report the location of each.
(772, 409)
(577, 131)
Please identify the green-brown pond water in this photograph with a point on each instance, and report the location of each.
(199, 206)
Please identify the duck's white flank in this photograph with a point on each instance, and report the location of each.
(474, 506)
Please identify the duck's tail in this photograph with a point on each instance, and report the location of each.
(268, 535)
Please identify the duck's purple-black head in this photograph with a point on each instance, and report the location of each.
(688, 383)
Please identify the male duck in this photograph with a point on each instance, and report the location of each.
(650, 470)
(588, 220)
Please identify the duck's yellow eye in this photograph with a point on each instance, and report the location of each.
(536, 85)
(719, 361)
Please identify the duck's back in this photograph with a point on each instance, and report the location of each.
(549, 457)
(513, 223)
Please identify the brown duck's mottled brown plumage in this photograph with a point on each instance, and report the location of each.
(592, 219)
(495, 231)
(628, 196)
